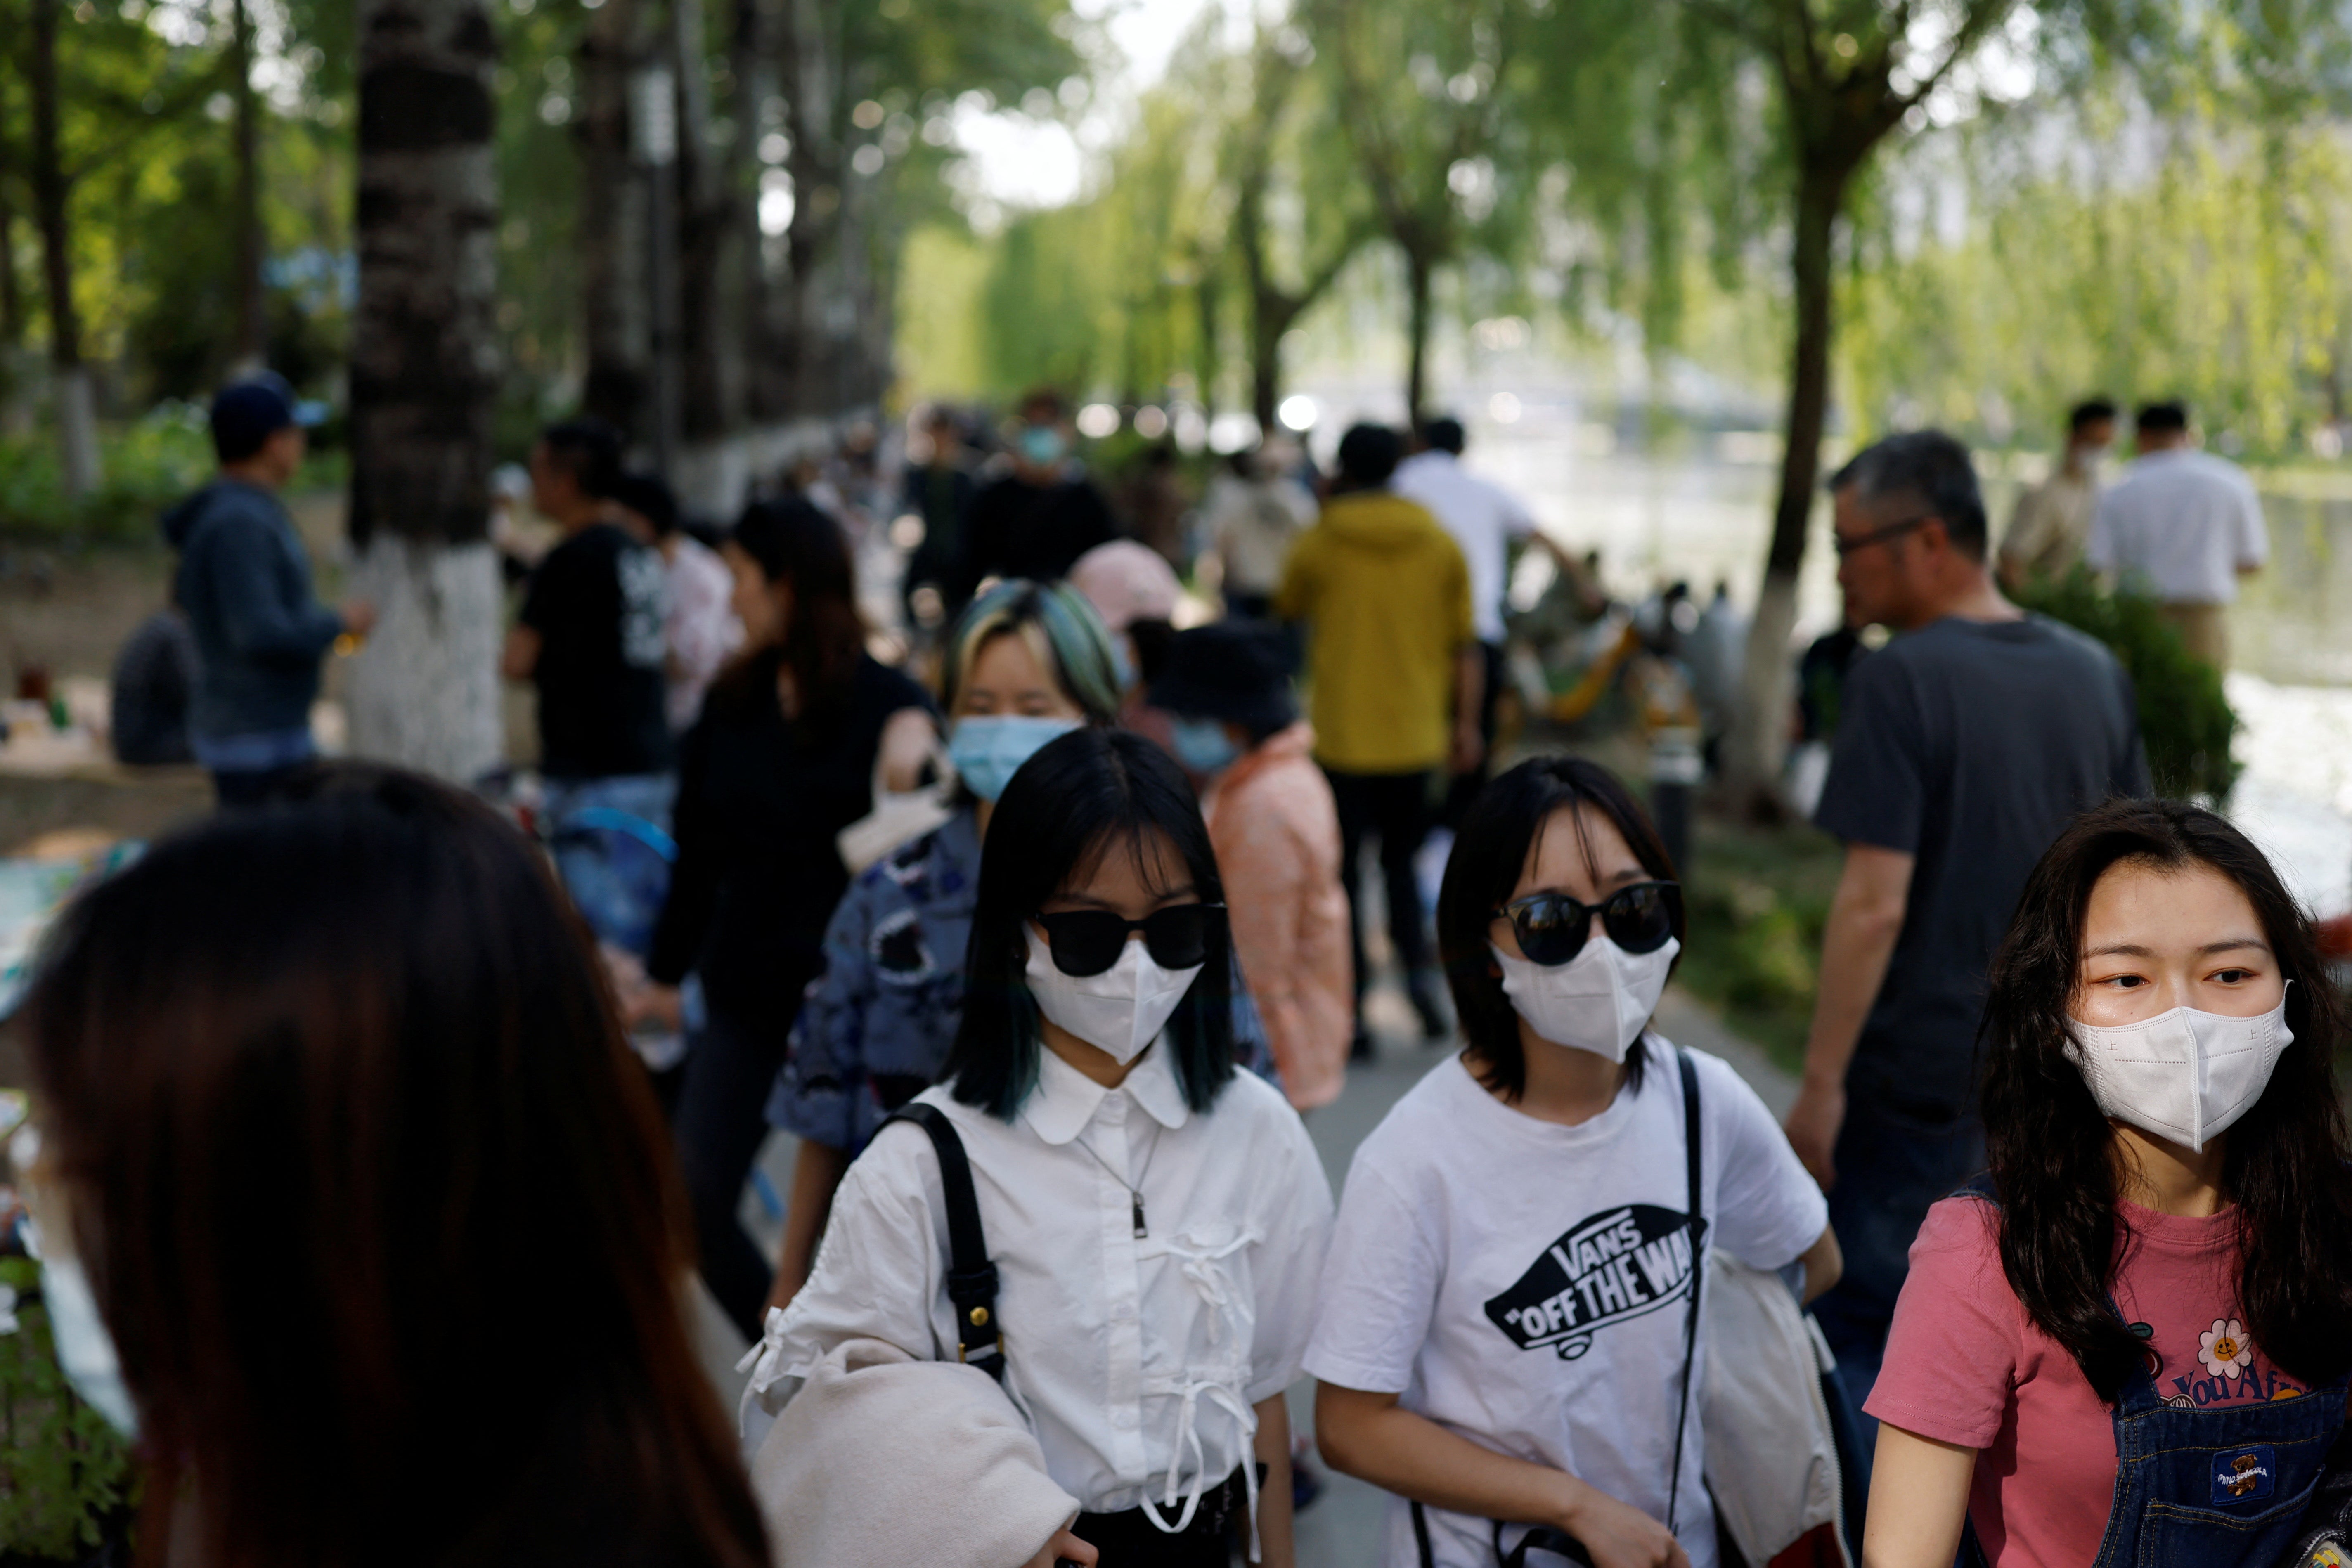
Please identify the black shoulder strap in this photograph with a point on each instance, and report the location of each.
(972, 1278)
(1979, 1186)
(1698, 1270)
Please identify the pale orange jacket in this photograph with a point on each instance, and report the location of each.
(1276, 835)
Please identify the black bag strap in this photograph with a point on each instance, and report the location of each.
(972, 1278)
(1699, 1271)
(1542, 1538)
(1560, 1543)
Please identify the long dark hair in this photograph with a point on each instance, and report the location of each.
(374, 1201)
(796, 545)
(1490, 854)
(2052, 1151)
(1085, 794)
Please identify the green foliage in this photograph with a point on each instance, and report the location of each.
(66, 1476)
(1759, 899)
(2185, 719)
(148, 467)
(2216, 280)
(147, 141)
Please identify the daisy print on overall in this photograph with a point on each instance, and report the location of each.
(2224, 1349)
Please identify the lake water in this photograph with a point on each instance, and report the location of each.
(1699, 511)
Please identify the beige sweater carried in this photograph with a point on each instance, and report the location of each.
(882, 1461)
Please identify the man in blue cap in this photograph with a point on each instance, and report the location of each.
(245, 583)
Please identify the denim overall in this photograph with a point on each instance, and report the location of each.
(2212, 1487)
(2216, 1486)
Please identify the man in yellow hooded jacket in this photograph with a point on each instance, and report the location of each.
(1394, 673)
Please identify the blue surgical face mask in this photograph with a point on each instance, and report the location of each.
(1041, 444)
(988, 749)
(1203, 745)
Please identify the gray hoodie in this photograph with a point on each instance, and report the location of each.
(244, 583)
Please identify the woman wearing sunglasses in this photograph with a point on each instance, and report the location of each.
(1504, 1338)
(1155, 1221)
(1027, 662)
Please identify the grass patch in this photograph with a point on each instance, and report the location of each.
(1758, 897)
(146, 465)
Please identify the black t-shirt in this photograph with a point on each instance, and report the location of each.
(760, 798)
(597, 603)
(1016, 529)
(1970, 745)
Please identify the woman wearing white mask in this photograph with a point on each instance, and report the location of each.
(2129, 1344)
(1155, 1221)
(1506, 1338)
(1027, 662)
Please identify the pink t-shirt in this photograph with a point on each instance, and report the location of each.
(1964, 1364)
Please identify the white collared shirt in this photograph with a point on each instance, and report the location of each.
(2182, 524)
(1126, 1352)
(1483, 518)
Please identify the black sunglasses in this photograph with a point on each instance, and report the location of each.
(1552, 927)
(1846, 544)
(1087, 941)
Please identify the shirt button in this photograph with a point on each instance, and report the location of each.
(1122, 1311)
(1122, 1415)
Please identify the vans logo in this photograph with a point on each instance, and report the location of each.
(2244, 1475)
(1601, 1270)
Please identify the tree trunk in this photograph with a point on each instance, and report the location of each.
(710, 343)
(12, 301)
(1205, 361)
(423, 380)
(755, 84)
(15, 414)
(1417, 268)
(613, 224)
(816, 208)
(252, 343)
(1761, 729)
(1265, 368)
(76, 403)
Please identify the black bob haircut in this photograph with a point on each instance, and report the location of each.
(2089, 411)
(2053, 1154)
(1931, 470)
(589, 450)
(1442, 434)
(1086, 795)
(2162, 417)
(1369, 454)
(1490, 853)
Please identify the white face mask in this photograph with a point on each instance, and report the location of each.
(86, 1353)
(1598, 1001)
(1121, 1010)
(2183, 1075)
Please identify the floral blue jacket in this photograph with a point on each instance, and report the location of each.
(875, 1025)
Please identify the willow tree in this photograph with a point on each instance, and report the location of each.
(424, 370)
(1430, 138)
(1848, 73)
(1297, 221)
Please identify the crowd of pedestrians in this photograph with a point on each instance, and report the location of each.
(348, 1180)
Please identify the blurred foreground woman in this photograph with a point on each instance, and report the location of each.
(338, 1143)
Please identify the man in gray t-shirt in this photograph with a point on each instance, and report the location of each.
(1963, 748)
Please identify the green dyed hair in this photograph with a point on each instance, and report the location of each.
(1061, 628)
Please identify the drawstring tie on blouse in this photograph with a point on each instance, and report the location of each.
(1204, 1268)
(765, 1363)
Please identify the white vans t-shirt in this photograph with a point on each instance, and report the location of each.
(1526, 1285)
